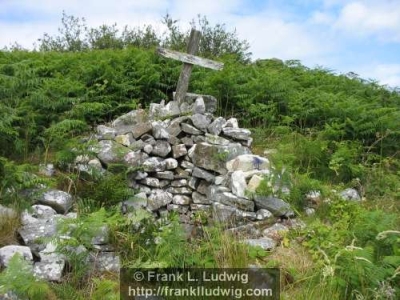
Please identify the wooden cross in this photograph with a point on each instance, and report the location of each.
(189, 59)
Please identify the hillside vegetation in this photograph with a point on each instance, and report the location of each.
(327, 131)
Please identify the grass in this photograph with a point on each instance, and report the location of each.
(8, 229)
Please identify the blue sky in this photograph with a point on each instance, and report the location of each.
(341, 35)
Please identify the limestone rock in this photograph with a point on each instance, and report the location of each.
(158, 198)
(161, 148)
(199, 107)
(216, 140)
(110, 152)
(189, 129)
(350, 194)
(254, 183)
(181, 200)
(214, 157)
(60, 201)
(201, 121)
(105, 262)
(200, 173)
(276, 206)
(160, 131)
(248, 162)
(232, 200)
(124, 139)
(179, 150)
(238, 183)
(237, 133)
(265, 243)
(154, 164)
(140, 129)
(7, 252)
(200, 199)
(105, 132)
(215, 127)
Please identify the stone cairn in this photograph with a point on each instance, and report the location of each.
(183, 159)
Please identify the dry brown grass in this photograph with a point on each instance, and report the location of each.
(8, 230)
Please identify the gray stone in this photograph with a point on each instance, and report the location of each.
(174, 128)
(105, 132)
(154, 164)
(160, 131)
(171, 163)
(51, 264)
(203, 187)
(237, 133)
(215, 127)
(161, 110)
(314, 198)
(47, 170)
(190, 129)
(136, 202)
(168, 175)
(276, 206)
(148, 148)
(263, 214)
(198, 139)
(232, 200)
(173, 140)
(148, 139)
(187, 164)
(179, 190)
(105, 262)
(135, 158)
(182, 209)
(188, 105)
(161, 148)
(264, 243)
(139, 175)
(201, 121)
(140, 129)
(187, 141)
(213, 190)
(254, 183)
(247, 231)
(137, 145)
(214, 157)
(151, 181)
(101, 236)
(158, 199)
(203, 174)
(221, 180)
(231, 123)
(224, 213)
(133, 117)
(248, 162)
(193, 183)
(216, 140)
(199, 107)
(179, 183)
(350, 195)
(276, 231)
(238, 183)
(179, 150)
(124, 139)
(181, 200)
(43, 212)
(200, 199)
(201, 207)
(110, 152)
(60, 201)
(7, 252)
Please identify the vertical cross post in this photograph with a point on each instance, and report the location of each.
(183, 82)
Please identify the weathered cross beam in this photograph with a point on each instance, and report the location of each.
(189, 59)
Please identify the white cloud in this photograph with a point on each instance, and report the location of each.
(371, 18)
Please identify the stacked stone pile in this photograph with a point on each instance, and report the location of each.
(186, 160)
